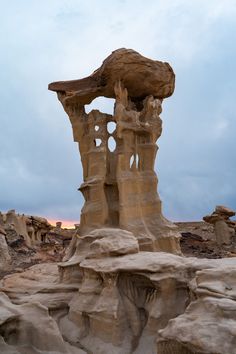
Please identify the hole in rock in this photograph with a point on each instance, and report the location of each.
(111, 144)
(137, 160)
(111, 127)
(96, 128)
(131, 161)
(103, 104)
(134, 159)
(98, 142)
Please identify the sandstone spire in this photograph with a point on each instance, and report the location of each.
(120, 184)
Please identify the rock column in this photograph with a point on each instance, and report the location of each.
(120, 184)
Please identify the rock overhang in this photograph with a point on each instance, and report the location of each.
(140, 75)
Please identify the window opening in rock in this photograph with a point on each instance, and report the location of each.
(111, 127)
(137, 160)
(111, 144)
(131, 161)
(103, 104)
(98, 142)
(96, 128)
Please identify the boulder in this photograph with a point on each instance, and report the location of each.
(113, 242)
(141, 76)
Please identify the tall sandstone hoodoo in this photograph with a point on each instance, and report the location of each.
(118, 151)
(120, 288)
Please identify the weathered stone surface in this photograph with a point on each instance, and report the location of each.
(28, 328)
(112, 242)
(33, 229)
(222, 210)
(208, 325)
(38, 288)
(224, 228)
(141, 76)
(120, 184)
(122, 302)
(115, 293)
(5, 257)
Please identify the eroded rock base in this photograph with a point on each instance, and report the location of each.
(145, 302)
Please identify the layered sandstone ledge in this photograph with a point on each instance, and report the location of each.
(147, 302)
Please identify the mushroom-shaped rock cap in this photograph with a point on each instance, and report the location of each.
(141, 76)
(213, 218)
(220, 209)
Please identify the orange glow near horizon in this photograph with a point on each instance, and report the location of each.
(66, 224)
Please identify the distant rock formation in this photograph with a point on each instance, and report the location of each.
(224, 228)
(26, 240)
(5, 257)
(33, 229)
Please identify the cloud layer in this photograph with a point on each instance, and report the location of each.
(40, 166)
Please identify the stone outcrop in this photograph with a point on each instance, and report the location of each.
(145, 302)
(120, 184)
(26, 325)
(224, 228)
(26, 240)
(208, 323)
(5, 257)
(141, 76)
(33, 229)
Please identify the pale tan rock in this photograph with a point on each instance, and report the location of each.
(33, 229)
(120, 186)
(28, 328)
(121, 302)
(125, 300)
(141, 76)
(39, 283)
(222, 232)
(209, 324)
(58, 224)
(113, 242)
(5, 257)
(33, 294)
(71, 249)
(1, 220)
(224, 228)
(115, 294)
(19, 224)
(222, 210)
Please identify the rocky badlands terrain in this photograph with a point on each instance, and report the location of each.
(26, 240)
(130, 281)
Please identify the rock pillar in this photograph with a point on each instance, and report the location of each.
(120, 184)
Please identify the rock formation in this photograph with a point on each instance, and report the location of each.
(120, 184)
(33, 229)
(224, 228)
(143, 302)
(5, 257)
(117, 292)
(141, 76)
(26, 240)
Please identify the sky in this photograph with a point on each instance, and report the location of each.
(45, 41)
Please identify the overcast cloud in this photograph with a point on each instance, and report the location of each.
(54, 40)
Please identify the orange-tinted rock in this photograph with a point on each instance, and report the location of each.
(141, 76)
(120, 184)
